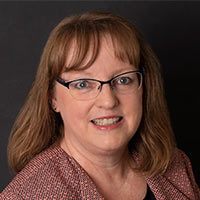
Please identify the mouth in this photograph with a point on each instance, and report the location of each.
(106, 121)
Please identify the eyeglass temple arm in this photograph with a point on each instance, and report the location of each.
(63, 82)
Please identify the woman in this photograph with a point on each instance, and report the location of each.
(95, 123)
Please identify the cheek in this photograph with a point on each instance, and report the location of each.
(133, 102)
(134, 109)
(73, 112)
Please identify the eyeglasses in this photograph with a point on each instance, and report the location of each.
(86, 88)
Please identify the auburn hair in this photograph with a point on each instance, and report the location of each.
(37, 126)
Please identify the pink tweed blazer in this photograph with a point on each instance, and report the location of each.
(53, 174)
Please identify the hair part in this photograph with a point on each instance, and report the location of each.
(38, 126)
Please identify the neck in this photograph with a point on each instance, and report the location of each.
(107, 164)
(112, 172)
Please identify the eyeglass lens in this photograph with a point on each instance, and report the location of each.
(85, 89)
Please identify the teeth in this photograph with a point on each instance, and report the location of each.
(104, 122)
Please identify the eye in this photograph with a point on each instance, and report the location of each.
(124, 80)
(81, 84)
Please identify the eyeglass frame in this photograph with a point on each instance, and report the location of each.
(67, 83)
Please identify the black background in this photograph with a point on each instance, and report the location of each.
(172, 29)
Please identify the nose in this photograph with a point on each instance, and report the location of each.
(107, 98)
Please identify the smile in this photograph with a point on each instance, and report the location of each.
(106, 121)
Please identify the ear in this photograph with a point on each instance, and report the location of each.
(54, 105)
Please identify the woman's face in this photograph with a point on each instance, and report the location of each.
(78, 116)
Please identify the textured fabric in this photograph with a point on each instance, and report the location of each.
(53, 174)
(178, 182)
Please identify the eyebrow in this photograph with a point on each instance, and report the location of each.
(85, 74)
(75, 73)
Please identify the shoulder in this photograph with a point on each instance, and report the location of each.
(180, 164)
(180, 159)
(45, 172)
(180, 169)
(178, 182)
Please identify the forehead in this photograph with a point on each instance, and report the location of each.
(106, 64)
(74, 52)
(80, 57)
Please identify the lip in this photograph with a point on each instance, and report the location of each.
(107, 117)
(108, 127)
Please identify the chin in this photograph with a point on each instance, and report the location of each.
(110, 147)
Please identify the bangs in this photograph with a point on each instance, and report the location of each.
(78, 44)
